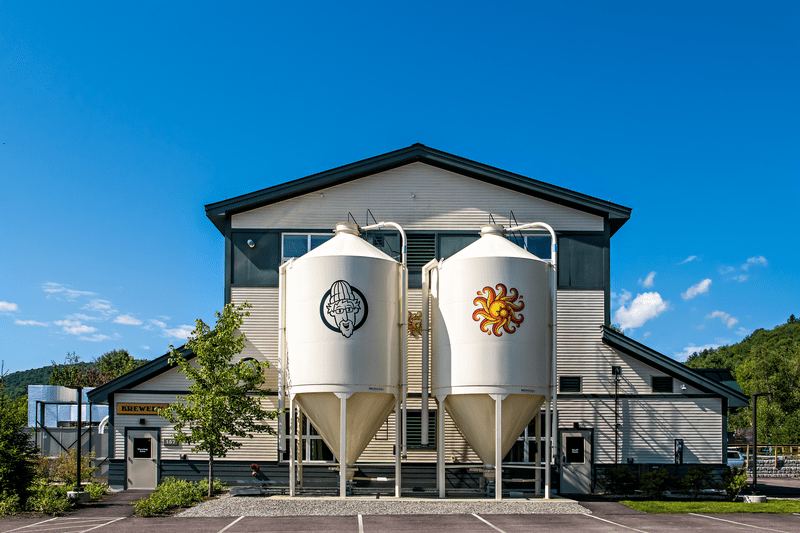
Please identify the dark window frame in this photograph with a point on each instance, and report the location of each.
(562, 388)
(659, 384)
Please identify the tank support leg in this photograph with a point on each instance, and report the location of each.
(398, 480)
(343, 445)
(440, 470)
(498, 446)
(292, 446)
(538, 456)
(548, 449)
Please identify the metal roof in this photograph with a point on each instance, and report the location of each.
(616, 214)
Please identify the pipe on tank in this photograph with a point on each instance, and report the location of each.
(403, 334)
(552, 426)
(282, 350)
(426, 271)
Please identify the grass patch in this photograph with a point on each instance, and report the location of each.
(772, 506)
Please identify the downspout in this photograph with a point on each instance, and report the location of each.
(403, 322)
(554, 338)
(282, 352)
(426, 272)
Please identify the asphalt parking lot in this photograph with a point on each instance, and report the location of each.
(600, 521)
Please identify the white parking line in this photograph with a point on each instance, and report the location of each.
(488, 523)
(614, 523)
(739, 523)
(104, 524)
(30, 525)
(229, 525)
(360, 524)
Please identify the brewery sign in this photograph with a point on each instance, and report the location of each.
(140, 408)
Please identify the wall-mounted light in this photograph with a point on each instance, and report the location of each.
(142, 421)
(413, 195)
(322, 195)
(683, 386)
(250, 243)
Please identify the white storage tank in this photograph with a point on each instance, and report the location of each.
(492, 339)
(343, 310)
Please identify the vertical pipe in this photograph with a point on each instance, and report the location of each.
(440, 466)
(538, 458)
(755, 446)
(426, 272)
(300, 442)
(282, 351)
(292, 446)
(498, 447)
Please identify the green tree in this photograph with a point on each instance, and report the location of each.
(17, 450)
(117, 363)
(224, 399)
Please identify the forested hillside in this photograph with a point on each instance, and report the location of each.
(765, 361)
(73, 372)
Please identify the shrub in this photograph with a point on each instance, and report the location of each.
(656, 483)
(17, 450)
(618, 479)
(64, 467)
(174, 494)
(10, 503)
(698, 478)
(733, 481)
(96, 490)
(48, 499)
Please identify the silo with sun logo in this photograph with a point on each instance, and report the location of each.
(492, 342)
(341, 305)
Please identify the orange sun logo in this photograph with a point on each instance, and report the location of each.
(498, 310)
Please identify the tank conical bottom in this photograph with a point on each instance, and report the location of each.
(366, 413)
(474, 416)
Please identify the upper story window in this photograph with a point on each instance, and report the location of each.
(538, 245)
(662, 384)
(297, 244)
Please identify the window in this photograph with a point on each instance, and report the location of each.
(313, 448)
(569, 383)
(662, 384)
(297, 244)
(538, 245)
(524, 450)
(414, 429)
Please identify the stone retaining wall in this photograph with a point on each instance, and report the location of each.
(786, 467)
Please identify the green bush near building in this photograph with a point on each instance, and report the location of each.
(174, 494)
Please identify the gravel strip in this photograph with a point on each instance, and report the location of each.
(305, 506)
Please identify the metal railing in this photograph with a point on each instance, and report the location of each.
(775, 452)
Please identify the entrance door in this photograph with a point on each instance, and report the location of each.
(142, 459)
(576, 461)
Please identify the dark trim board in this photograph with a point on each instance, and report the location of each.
(219, 212)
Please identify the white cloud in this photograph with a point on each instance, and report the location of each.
(8, 307)
(181, 332)
(758, 260)
(30, 323)
(644, 307)
(741, 278)
(82, 317)
(648, 281)
(624, 297)
(73, 327)
(143, 348)
(103, 307)
(154, 324)
(128, 320)
(646, 334)
(701, 326)
(688, 259)
(741, 331)
(99, 337)
(60, 292)
(694, 290)
(727, 319)
(689, 350)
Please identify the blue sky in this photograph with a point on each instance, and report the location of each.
(120, 121)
